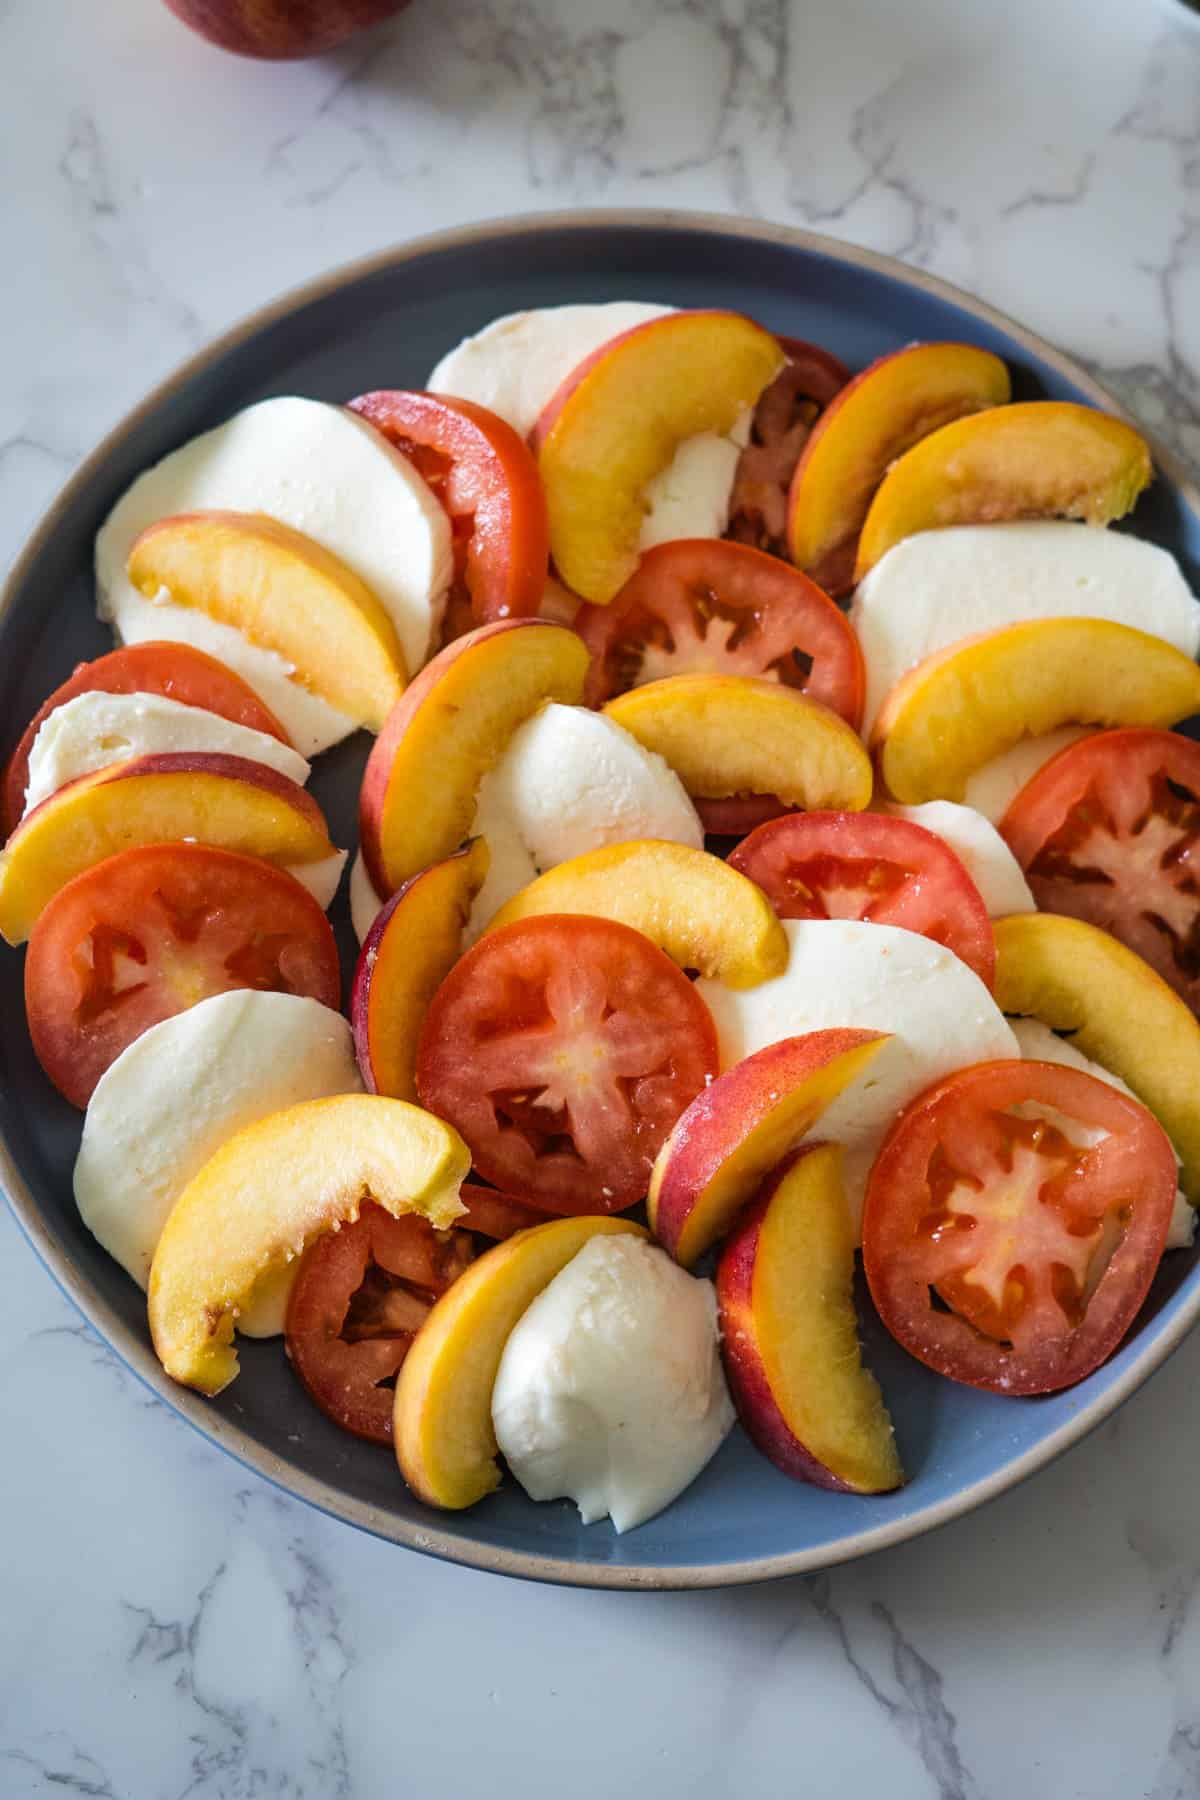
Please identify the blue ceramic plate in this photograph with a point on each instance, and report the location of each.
(384, 323)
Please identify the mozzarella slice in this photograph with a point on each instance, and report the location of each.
(875, 977)
(322, 470)
(981, 850)
(365, 903)
(942, 586)
(179, 1091)
(992, 788)
(1040, 1044)
(321, 878)
(610, 1389)
(690, 498)
(96, 729)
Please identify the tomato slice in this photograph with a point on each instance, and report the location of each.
(846, 865)
(1109, 831)
(487, 480)
(495, 1215)
(785, 415)
(740, 813)
(1014, 1220)
(564, 1049)
(360, 1296)
(175, 671)
(706, 604)
(145, 934)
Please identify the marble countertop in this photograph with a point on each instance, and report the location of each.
(173, 1627)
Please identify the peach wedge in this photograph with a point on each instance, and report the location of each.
(285, 593)
(883, 412)
(225, 801)
(741, 1126)
(445, 1443)
(977, 699)
(692, 905)
(1118, 1011)
(619, 418)
(443, 735)
(268, 1192)
(1042, 459)
(790, 1334)
(741, 734)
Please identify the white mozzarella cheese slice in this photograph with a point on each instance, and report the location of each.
(993, 787)
(939, 587)
(365, 903)
(845, 972)
(179, 1091)
(690, 497)
(981, 850)
(321, 878)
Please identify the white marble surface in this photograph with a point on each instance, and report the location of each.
(170, 1626)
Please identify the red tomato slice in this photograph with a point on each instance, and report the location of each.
(145, 934)
(487, 480)
(175, 671)
(783, 419)
(495, 1215)
(564, 1050)
(845, 865)
(740, 814)
(1006, 1244)
(706, 604)
(360, 1296)
(1109, 831)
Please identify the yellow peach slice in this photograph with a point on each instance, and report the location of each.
(445, 732)
(704, 914)
(874, 419)
(618, 420)
(740, 734)
(1077, 979)
(790, 1334)
(977, 699)
(743, 1124)
(1042, 459)
(443, 1434)
(285, 593)
(267, 1193)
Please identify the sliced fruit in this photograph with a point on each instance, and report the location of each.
(963, 706)
(287, 593)
(219, 800)
(1117, 1011)
(619, 419)
(785, 1288)
(692, 905)
(737, 734)
(446, 731)
(445, 1443)
(408, 952)
(267, 1193)
(884, 411)
(1042, 459)
(740, 1127)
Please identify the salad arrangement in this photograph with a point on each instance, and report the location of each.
(712, 930)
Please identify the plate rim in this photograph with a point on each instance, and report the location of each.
(285, 1474)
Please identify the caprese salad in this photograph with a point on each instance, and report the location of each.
(711, 931)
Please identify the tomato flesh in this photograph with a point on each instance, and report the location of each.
(147, 933)
(487, 480)
(1109, 831)
(1014, 1219)
(564, 1049)
(786, 412)
(845, 865)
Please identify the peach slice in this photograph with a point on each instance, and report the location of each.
(266, 1193)
(445, 1443)
(285, 593)
(790, 1334)
(192, 795)
(883, 412)
(975, 700)
(741, 734)
(704, 914)
(409, 950)
(619, 418)
(1042, 459)
(445, 732)
(1118, 1011)
(741, 1126)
